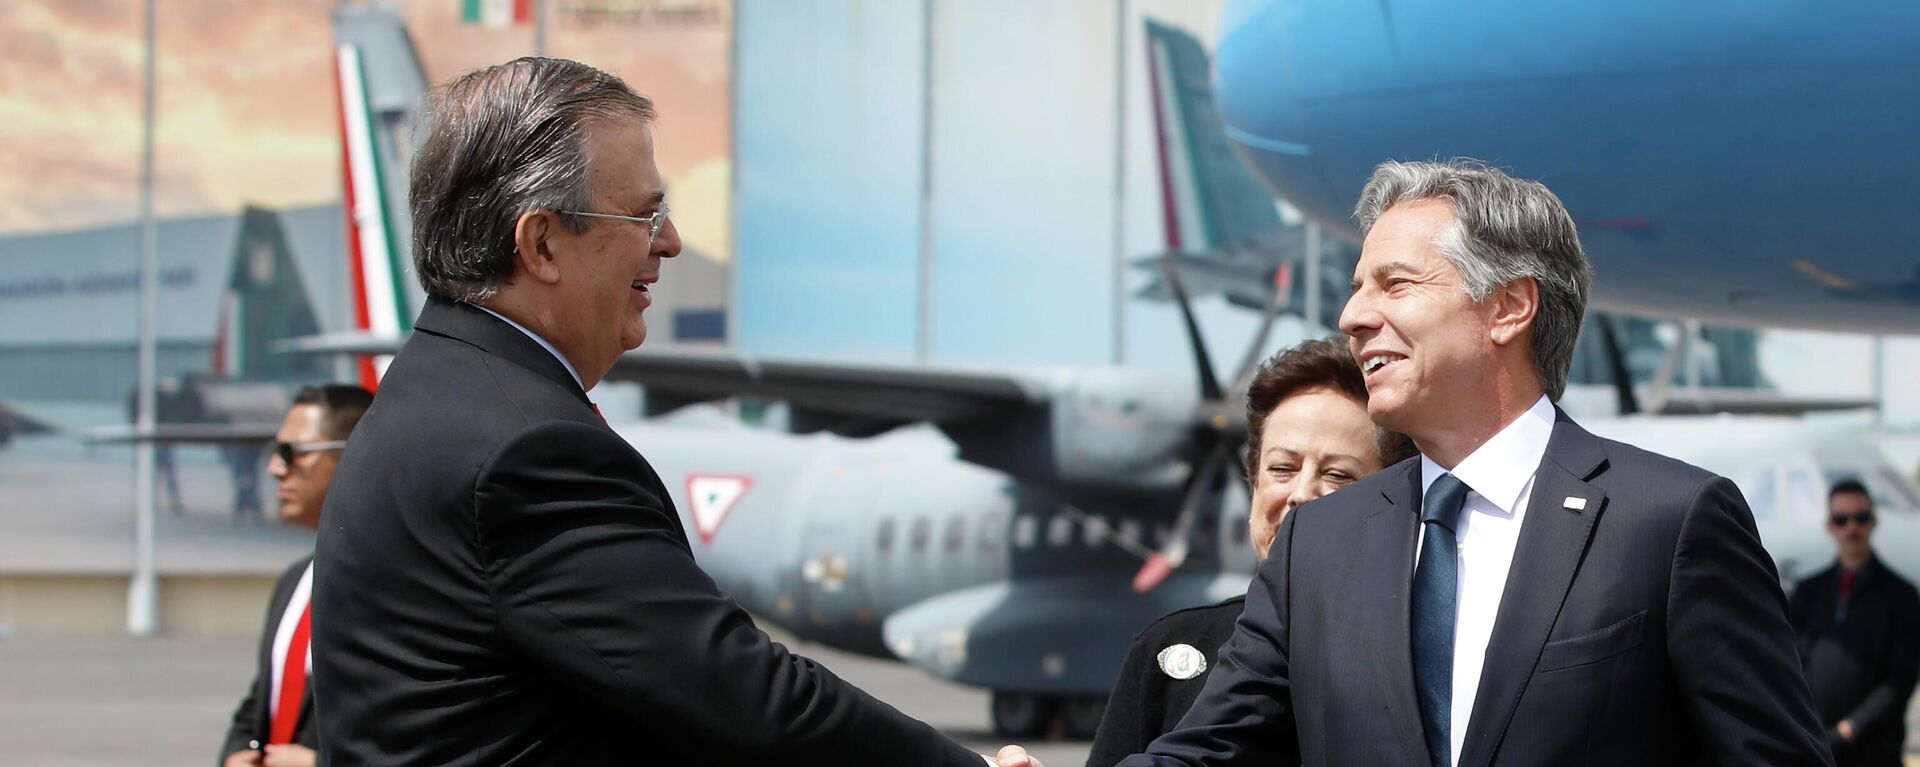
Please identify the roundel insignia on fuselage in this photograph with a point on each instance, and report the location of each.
(1182, 661)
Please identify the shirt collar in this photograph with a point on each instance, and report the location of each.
(541, 341)
(1500, 469)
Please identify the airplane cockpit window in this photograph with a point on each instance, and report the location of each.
(956, 537)
(922, 530)
(1757, 486)
(1889, 492)
(884, 539)
(1026, 532)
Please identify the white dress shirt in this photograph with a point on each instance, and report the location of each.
(1499, 480)
(283, 636)
(541, 341)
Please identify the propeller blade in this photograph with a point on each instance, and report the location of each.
(1174, 553)
(1256, 351)
(1209, 384)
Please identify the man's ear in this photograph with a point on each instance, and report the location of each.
(532, 251)
(1515, 305)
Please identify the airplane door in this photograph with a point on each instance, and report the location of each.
(833, 573)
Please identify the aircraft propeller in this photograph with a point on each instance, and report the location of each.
(1214, 437)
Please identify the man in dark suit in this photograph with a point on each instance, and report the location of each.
(501, 579)
(274, 725)
(1523, 593)
(1859, 628)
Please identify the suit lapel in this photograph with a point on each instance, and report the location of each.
(1386, 581)
(1553, 542)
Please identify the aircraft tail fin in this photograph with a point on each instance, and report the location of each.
(378, 83)
(264, 301)
(1209, 200)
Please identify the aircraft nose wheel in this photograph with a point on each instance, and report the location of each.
(1021, 716)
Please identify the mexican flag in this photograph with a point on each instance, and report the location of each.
(497, 13)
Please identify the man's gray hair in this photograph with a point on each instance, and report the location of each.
(1503, 229)
(503, 141)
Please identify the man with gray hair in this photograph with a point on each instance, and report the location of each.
(500, 578)
(1523, 592)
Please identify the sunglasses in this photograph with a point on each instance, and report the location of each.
(287, 451)
(1862, 518)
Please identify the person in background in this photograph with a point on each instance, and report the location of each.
(274, 725)
(1858, 623)
(1308, 435)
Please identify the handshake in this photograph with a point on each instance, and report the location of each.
(1013, 756)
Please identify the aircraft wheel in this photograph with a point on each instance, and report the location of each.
(1082, 715)
(1018, 716)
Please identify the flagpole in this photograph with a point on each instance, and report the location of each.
(540, 28)
(143, 598)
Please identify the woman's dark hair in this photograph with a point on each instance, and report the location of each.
(1316, 364)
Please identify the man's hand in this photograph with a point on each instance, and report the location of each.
(1015, 756)
(245, 758)
(288, 755)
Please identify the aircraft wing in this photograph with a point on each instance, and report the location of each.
(14, 423)
(861, 390)
(1708, 400)
(196, 433)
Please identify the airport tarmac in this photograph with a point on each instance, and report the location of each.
(120, 702)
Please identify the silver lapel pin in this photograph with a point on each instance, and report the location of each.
(1575, 504)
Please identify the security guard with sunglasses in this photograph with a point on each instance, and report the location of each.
(1858, 624)
(274, 726)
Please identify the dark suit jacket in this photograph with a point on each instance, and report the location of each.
(251, 721)
(1862, 668)
(1145, 702)
(1646, 629)
(501, 579)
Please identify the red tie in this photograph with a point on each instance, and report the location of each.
(596, 411)
(293, 681)
(1846, 586)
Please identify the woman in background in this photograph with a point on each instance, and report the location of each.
(1307, 435)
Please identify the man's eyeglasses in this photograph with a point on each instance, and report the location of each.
(287, 451)
(653, 222)
(1862, 518)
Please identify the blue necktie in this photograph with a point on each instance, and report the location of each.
(1436, 583)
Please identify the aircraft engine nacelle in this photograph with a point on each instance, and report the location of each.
(1106, 428)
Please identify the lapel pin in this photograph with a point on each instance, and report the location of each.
(1575, 504)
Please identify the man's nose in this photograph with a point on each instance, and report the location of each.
(667, 244)
(1358, 314)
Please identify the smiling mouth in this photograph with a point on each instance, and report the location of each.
(1374, 363)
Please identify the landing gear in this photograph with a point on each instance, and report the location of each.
(1024, 716)
(1019, 716)
(1081, 715)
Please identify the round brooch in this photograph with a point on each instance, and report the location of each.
(1182, 661)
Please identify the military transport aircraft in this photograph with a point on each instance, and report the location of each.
(1004, 528)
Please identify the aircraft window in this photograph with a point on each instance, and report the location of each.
(1097, 532)
(990, 531)
(1059, 531)
(1758, 489)
(922, 529)
(956, 537)
(884, 540)
(1025, 532)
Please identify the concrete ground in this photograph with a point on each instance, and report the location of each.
(161, 702)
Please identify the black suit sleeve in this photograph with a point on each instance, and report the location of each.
(244, 717)
(1733, 654)
(1135, 708)
(1244, 715)
(1887, 702)
(596, 587)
